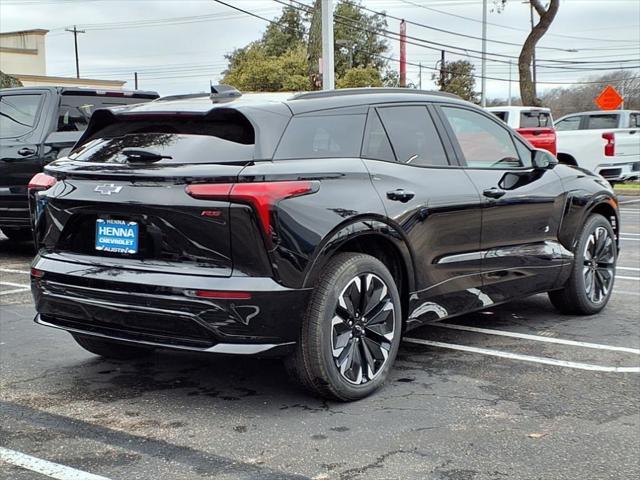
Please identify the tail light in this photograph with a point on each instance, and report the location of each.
(610, 147)
(262, 196)
(41, 181)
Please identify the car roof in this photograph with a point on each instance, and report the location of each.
(292, 103)
(84, 91)
(516, 109)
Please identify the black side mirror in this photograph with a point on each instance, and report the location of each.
(543, 160)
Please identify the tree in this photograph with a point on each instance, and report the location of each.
(527, 87)
(288, 32)
(360, 77)
(7, 81)
(458, 78)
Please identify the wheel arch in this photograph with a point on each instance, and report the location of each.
(375, 237)
(606, 208)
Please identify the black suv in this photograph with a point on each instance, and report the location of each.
(319, 228)
(37, 125)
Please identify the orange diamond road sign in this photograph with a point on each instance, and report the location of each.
(609, 99)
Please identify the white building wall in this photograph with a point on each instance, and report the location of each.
(23, 52)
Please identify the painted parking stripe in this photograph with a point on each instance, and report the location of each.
(629, 233)
(635, 269)
(625, 292)
(536, 338)
(524, 358)
(629, 201)
(629, 239)
(12, 270)
(624, 277)
(12, 284)
(16, 290)
(44, 467)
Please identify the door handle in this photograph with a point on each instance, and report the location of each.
(26, 151)
(400, 195)
(493, 192)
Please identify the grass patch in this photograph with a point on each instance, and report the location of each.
(631, 188)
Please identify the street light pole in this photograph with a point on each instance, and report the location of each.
(483, 100)
(328, 71)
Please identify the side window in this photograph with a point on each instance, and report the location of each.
(569, 123)
(376, 142)
(597, 122)
(322, 136)
(484, 143)
(504, 116)
(524, 152)
(18, 114)
(413, 135)
(634, 120)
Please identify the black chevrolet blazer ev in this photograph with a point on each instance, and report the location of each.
(319, 228)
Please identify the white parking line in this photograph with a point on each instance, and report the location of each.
(11, 284)
(16, 290)
(625, 292)
(11, 270)
(635, 269)
(623, 277)
(634, 234)
(629, 201)
(525, 358)
(628, 239)
(44, 467)
(561, 341)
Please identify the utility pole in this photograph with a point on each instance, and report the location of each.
(509, 100)
(75, 32)
(483, 98)
(419, 75)
(328, 70)
(135, 80)
(403, 53)
(442, 69)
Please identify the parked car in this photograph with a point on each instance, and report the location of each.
(604, 142)
(535, 124)
(38, 124)
(320, 229)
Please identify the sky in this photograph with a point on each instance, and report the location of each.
(183, 54)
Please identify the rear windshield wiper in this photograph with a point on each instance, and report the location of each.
(137, 155)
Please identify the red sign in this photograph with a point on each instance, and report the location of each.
(609, 99)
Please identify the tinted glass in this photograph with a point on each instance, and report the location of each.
(634, 120)
(595, 122)
(75, 110)
(535, 119)
(484, 143)
(569, 123)
(322, 136)
(18, 114)
(413, 135)
(501, 115)
(376, 142)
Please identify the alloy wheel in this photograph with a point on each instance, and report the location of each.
(599, 265)
(362, 328)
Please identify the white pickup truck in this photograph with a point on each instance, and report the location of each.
(604, 142)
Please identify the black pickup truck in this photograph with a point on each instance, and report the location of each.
(38, 125)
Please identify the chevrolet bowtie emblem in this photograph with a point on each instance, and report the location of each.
(108, 189)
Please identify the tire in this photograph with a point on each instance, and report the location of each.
(18, 234)
(589, 287)
(110, 349)
(345, 352)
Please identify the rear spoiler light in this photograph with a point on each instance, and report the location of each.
(41, 181)
(262, 196)
(610, 146)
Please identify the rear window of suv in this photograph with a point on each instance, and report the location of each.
(224, 137)
(535, 119)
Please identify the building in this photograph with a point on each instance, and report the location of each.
(23, 56)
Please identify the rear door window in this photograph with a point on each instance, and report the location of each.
(535, 119)
(75, 110)
(504, 116)
(634, 120)
(602, 121)
(569, 123)
(376, 142)
(322, 135)
(413, 135)
(19, 114)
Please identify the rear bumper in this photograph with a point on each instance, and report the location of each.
(161, 309)
(619, 171)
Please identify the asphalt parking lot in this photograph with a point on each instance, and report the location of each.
(516, 392)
